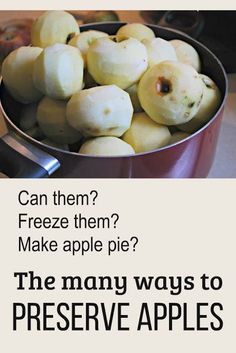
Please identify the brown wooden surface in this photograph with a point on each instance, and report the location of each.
(129, 16)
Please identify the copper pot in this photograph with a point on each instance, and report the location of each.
(190, 158)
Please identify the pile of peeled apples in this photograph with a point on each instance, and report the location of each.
(105, 95)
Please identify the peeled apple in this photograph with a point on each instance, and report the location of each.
(121, 63)
(28, 117)
(209, 104)
(159, 50)
(106, 146)
(100, 111)
(146, 135)
(83, 40)
(133, 93)
(58, 71)
(17, 72)
(178, 136)
(171, 92)
(61, 146)
(51, 117)
(137, 31)
(53, 27)
(186, 54)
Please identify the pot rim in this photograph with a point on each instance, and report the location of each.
(136, 155)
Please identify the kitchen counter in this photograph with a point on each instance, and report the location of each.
(224, 165)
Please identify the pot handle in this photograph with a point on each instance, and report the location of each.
(20, 159)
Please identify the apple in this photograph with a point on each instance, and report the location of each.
(171, 92)
(100, 111)
(137, 31)
(36, 133)
(83, 40)
(178, 136)
(146, 135)
(159, 50)
(186, 54)
(209, 104)
(28, 116)
(51, 143)
(98, 16)
(121, 63)
(58, 71)
(17, 72)
(53, 27)
(88, 80)
(106, 146)
(14, 33)
(133, 93)
(51, 117)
